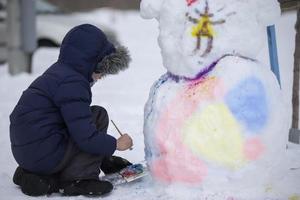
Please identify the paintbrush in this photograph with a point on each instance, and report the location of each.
(121, 134)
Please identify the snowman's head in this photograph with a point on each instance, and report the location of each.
(195, 33)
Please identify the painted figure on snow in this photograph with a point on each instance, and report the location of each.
(204, 28)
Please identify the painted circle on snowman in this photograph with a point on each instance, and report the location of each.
(215, 135)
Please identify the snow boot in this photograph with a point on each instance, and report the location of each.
(86, 188)
(34, 185)
(114, 164)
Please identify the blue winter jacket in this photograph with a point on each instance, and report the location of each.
(56, 106)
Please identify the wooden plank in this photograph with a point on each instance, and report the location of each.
(287, 5)
(296, 76)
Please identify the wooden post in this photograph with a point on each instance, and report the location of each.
(294, 135)
(296, 78)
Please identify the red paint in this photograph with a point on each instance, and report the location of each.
(190, 2)
(253, 148)
(180, 168)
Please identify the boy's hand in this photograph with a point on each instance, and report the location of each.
(124, 142)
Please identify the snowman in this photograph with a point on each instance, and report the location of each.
(216, 119)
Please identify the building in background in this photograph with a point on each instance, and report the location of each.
(81, 5)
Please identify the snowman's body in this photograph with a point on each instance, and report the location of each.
(216, 120)
(219, 123)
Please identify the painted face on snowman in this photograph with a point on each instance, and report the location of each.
(217, 111)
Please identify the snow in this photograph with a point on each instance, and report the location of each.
(124, 97)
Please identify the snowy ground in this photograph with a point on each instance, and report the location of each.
(123, 95)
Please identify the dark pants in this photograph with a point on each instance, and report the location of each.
(78, 165)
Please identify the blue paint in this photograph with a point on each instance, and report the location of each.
(157, 85)
(248, 103)
(273, 51)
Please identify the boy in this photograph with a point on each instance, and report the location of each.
(58, 140)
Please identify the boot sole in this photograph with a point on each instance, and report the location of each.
(76, 191)
(39, 188)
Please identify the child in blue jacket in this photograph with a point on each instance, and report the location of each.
(58, 140)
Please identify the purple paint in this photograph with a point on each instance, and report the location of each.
(205, 71)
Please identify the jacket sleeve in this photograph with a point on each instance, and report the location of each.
(73, 100)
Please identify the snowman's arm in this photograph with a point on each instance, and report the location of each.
(191, 19)
(222, 21)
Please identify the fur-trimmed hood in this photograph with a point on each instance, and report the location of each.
(114, 62)
(83, 48)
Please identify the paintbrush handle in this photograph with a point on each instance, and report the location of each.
(116, 127)
(118, 130)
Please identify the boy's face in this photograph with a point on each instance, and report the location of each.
(96, 76)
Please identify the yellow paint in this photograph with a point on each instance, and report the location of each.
(204, 28)
(269, 189)
(215, 135)
(294, 197)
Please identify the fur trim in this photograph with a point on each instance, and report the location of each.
(114, 62)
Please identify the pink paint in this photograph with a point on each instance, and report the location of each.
(208, 88)
(185, 168)
(177, 162)
(253, 148)
(190, 2)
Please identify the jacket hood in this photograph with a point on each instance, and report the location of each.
(83, 48)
